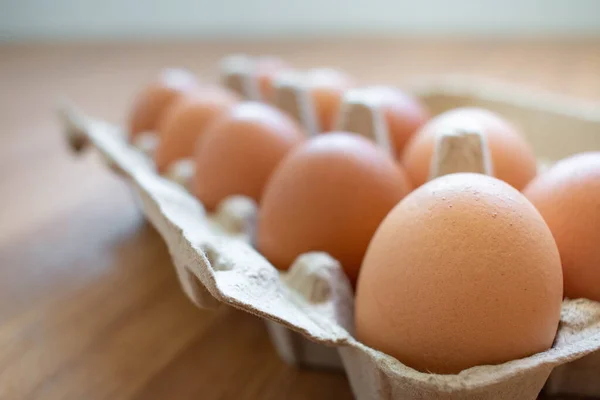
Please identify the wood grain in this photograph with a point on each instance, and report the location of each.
(90, 307)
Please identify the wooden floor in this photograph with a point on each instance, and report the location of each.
(90, 307)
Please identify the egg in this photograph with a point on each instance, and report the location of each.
(266, 69)
(151, 104)
(568, 197)
(404, 114)
(237, 155)
(512, 158)
(463, 272)
(329, 194)
(187, 120)
(326, 87)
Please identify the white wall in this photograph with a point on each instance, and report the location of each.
(98, 19)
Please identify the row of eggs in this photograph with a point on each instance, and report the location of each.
(460, 271)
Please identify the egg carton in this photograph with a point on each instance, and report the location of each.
(309, 308)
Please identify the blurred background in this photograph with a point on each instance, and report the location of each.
(244, 19)
(119, 45)
(90, 306)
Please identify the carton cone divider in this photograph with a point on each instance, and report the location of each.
(146, 142)
(237, 215)
(293, 97)
(460, 150)
(237, 73)
(182, 172)
(362, 112)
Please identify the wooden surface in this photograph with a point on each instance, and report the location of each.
(90, 307)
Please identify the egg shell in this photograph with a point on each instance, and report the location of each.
(151, 104)
(463, 272)
(330, 195)
(326, 87)
(239, 152)
(568, 197)
(187, 120)
(512, 158)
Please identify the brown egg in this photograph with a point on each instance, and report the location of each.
(241, 150)
(513, 160)
(266, 70)
(462, 272)
(327, 87)
(187, 120)
(404, 114)
(154, 100)
(329, 195)
(568, 197)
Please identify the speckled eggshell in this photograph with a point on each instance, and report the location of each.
(328, 195)
(187, 120)
(512, 158)
(463, 272)
(238, 154)
(568, 197)
(151, 104)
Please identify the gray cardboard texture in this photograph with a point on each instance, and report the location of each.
(216, 264)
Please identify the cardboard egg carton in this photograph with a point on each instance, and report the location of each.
(309, 308)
